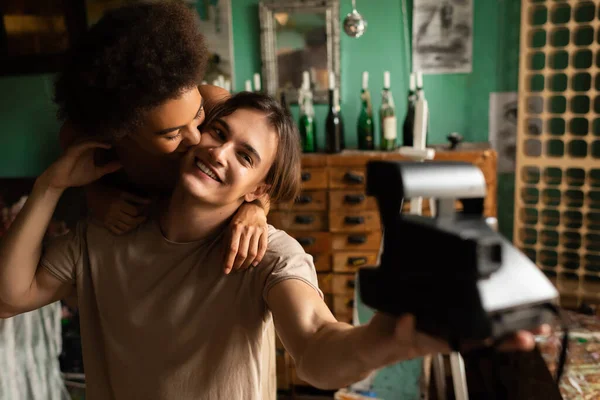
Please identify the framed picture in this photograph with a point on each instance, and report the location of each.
(34, 34)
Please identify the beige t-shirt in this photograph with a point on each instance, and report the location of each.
(160, 320)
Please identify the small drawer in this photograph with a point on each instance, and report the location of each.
(313, 242)
(325, 282)
(343, 305)
(314, 160)
(322, 262)
(347, 178)
(299, 221)
(356, 241)
(354, 158)
(365, 221)
(343, 284)
(354, 200)
(350, 261)
(307, 201)
(314, 178)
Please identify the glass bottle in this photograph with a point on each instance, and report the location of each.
(364, 126)
(306, 124)
(409, 122)
(334, 125)
(387, 113)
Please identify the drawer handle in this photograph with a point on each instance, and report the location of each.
(305, 176)
(357, 261)
(304, 199)
(351, 284)
(357, 239)
(350, 303)
(304, 219)
(351, 177)
(351, 220)
(354, 198)
(306, 241)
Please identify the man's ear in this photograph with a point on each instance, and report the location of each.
(259, 192)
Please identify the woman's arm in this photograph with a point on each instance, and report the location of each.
(25, 286)
(117, 210)
(212, 96)
(248, 235)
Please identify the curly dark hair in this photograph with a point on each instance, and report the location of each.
(133, 59)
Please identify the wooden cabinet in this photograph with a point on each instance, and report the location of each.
(336, 222)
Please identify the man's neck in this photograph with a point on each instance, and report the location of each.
(187, 220)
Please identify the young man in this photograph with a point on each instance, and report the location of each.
(160, 320)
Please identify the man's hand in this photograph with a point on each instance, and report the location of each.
(396, 338)
(76, 167)
(248, 238)
(330, 354)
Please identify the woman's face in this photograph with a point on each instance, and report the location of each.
(172, 127)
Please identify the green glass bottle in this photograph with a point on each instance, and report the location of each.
(306, 124)
(387, 113)
(364, 126)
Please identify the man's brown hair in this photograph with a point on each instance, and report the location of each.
(284, 174)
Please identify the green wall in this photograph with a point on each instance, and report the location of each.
(28, 125)
(458, 102)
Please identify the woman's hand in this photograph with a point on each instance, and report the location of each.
(120, 212)
(248, 237)
(76, 167)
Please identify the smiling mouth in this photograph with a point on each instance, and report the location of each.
(207, 171)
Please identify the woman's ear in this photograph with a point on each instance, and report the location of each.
(259, 192)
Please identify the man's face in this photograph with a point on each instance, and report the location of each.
(232, 159)
(172, 127)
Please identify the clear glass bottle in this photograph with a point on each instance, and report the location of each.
(387, 113)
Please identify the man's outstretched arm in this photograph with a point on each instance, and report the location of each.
(330, 354)
(23, 285)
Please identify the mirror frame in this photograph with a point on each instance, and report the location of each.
(268, 42)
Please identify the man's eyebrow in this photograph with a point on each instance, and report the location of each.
(168, 130)
(245, 145)
(223, 124)
(252, 150)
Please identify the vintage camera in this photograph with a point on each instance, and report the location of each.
(462, 280)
